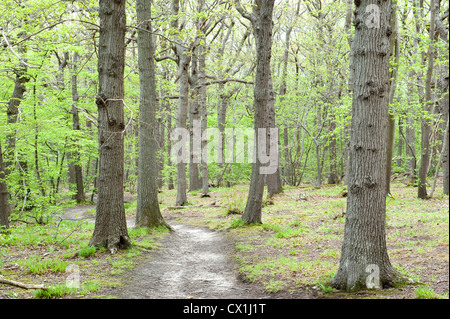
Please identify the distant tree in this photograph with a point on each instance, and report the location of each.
(4, 205)
(148, 213)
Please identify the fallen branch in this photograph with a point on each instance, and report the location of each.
(5, 281)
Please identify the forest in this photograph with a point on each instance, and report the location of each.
(224, 149)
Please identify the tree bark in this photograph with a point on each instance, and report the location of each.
(333, 176)
(445, 154)
(274, 185)
(204, 112)
(195, 182)
(395, 51)
(426, 129)
(262, 21)
(12, 113)
(4, 195)
(148, 213)
(400, 143)
(110, 223)
(364, 246)
(184, 60)
(76, 164)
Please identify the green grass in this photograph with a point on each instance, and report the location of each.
(87, 252)
(428, 293)
(274, 286)
(62, 290)
(237, 222)
(36, 265)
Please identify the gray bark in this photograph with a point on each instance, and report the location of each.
(110, 223)
(195, 182)
(426, 128)
(400, 143)
(4, 195)
(148, 213)
(76, 166)
(184, 60)
(445, 154)
(204, 112)
(262, 21)
(395, 51)
(364, 245)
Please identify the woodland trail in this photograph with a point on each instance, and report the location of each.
(193, 262)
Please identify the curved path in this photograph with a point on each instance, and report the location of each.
(192, 262)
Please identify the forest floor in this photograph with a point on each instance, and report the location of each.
(211, 254)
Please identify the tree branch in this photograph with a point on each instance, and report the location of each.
(244, 13)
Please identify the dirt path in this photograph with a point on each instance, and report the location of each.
(193, 262)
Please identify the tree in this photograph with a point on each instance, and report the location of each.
(364, 247)
(148, 213)
(110, 223)
(262, 20)
(4, 205)
(75, 169)
(426, 128)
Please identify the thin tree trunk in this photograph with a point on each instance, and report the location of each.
(184, 60)
(426, 129)
(4, 195)
(77, 168)
(195, 182)
(148, 213)
(333, 176)
(395, 51)
(274, 185)
(204, 111)
(438, 166)
(400, 143)
(110, 223)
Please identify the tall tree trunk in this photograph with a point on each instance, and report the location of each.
(274, 185)
(221, 121)
(184, 60)
(160, 154)
(400, 143)
(4, 195)
(170, 185)
(445, 155)
(333, 176)
(148, 213)
(12, 113)
(262, 21)
(364, 248)
(110, 223)
(395, 52)
(204, 111)
(181, 198)
(426, 129)
(77, 168)
(195, 182)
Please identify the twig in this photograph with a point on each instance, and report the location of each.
(14, 52)
(5, 281)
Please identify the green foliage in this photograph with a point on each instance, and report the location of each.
(39, 266)
(237, 222)
(428, 293)
(87, 252)
(62, 290)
